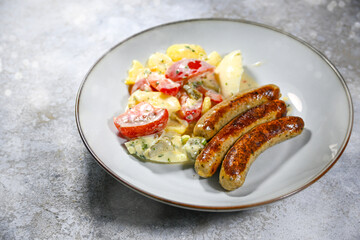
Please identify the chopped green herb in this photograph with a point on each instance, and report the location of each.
(169, 160)
(188, 47)
(203, 142)
(144, 146)
(160, 155)
(226, 84)
(177, 71)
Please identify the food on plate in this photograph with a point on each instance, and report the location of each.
(169, 94)
(156, 99)
(229, 74)
(214, 58)
(142, 119)
(239, 129)
(185, 105)
(210, 158)
(159, 62)
(244, 152)
(178, 52)
(206, 105)
(163, 84)
(137, 71)
(166, 148)
(218, 116)
(188, 68)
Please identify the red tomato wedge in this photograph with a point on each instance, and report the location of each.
(187, 68)
(142, 84)
(163, 84)
(214, 96)
(141, 120)
(190, 108)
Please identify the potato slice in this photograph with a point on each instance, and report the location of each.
(213, 58)
(206, 105)
(229, 72)
(136, 69)
(175, 124)
(179, 51)
(159, 62)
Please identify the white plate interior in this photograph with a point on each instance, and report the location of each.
(314, 88)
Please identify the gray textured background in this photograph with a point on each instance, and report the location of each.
(51, 187)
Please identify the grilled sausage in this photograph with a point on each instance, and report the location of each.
(243, 153)
(218, 116)
(208, 161)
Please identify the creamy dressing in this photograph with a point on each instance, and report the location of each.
(247, 82)
(166, 148)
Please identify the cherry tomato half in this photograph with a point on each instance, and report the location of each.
(190, 108)
(164, 85)
(141, 120)
(142, 84)
(214, 96)
(187, 68)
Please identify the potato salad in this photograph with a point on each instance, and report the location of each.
(169, 93)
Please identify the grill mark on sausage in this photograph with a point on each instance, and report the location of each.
(241, 155)
(224, 112)
(211, 156)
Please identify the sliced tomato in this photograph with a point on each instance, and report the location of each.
(187, 68)
(141, 120)
(214, 96)
(163, 84)
(141, 84)
(190, 108)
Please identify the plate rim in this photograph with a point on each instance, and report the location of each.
(218, 208)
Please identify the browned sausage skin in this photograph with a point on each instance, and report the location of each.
(210, 158)
(218, 116)
(243, 153)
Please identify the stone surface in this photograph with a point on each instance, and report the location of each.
(51, 187)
